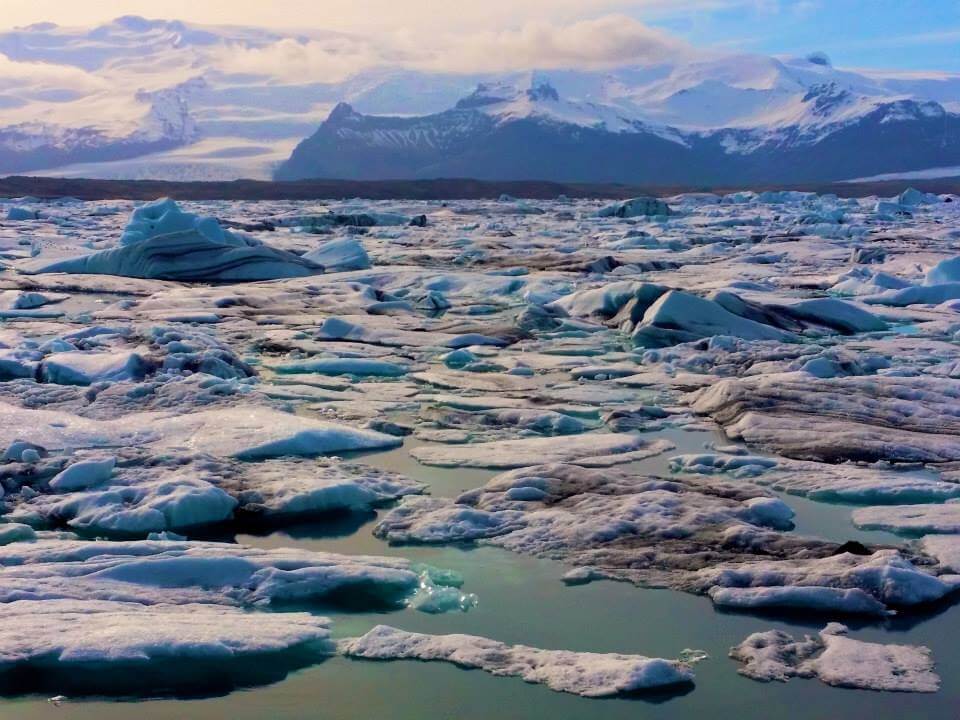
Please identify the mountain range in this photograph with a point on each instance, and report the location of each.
(139, 98)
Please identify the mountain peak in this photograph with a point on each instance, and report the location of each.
(826, 97)
(341, 111)
(543, 91)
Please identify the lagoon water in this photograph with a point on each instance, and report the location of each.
(522, 600)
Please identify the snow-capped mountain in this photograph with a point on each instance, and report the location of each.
(729, 121)
(149, 98)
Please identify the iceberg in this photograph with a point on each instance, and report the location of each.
(163, 243)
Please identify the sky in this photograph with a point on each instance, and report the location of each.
(901, 35)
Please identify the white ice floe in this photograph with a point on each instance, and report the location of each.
(836, 659)
(808, 598)
(83, 368)
(518, 453)
(84, 474)
(340, 255)
(848, 483)
(192, 491)
(885, 574)
(910, 519)
(245, 432)
(635, 207)
(72, 632)
(179, 572)
(646, 529)
(857, 418)
(946, 550)
(580, 673)
(343, 366)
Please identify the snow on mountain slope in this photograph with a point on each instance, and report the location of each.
(144, 98)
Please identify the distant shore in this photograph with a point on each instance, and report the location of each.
(439, 189)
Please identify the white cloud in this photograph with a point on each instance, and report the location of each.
(606, 41)
(416, 16)
(47, 76)
(294, 60)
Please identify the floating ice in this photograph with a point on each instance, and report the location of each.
(340, 255)
(637, 207)
(162, 242)
(185, 572)
(84, 474)
(244, 432)
(518, 453)
(76, 632)
(910, 519)
(586, 674)
(838, 660)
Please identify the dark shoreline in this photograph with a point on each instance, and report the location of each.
(439, 189)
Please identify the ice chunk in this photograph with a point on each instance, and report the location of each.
(709, 463)
(586, 674)
(946, 549)
(837, 314)
(910, 519)
(187, 255)
(340, 255)
(837, 660)
(885, 574)
(16, 532)
(247, 432)
(279, 490)
(343, 366)
(678, 317)
(848, 418)
(86, 368)
(74, 632)
(178, 502)
(809, 598)
(531, 451)
(946, 271)
(768, 511)
(184, 572)
(21, 213)
(84, 474)
(164, 216)
(635, 207)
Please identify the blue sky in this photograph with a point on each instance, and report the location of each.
(894, 34)
(902, 34)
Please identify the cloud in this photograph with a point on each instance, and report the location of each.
(343, 15)
(602, 42)
(40, 76)
(288, 59)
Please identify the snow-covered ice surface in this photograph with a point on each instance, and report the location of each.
(837, 659)
(587, 674)
(746, 410)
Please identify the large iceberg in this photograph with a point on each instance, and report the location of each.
(164, 243)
